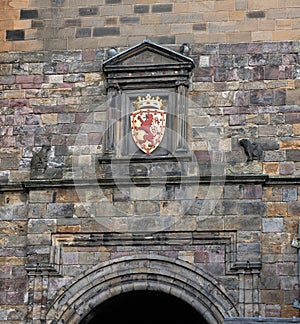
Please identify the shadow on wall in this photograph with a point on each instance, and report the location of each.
(144, 307)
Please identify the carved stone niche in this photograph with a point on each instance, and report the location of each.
(156, 71)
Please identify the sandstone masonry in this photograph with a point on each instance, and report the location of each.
(224, 217)
(68, 25)
(247, 90)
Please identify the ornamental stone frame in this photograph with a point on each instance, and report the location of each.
(146, 68)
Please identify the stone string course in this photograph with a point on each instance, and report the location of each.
(245, 90)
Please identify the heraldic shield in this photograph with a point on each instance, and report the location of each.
(148, 123)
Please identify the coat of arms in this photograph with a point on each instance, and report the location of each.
(148, 123)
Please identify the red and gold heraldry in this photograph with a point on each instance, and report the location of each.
(148, 123)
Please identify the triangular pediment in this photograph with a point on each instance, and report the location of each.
(146, 57)
(147, 53)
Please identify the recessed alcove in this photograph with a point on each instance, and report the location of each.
(145, 307)
(146, 69)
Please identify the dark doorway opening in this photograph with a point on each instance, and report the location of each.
(144, 307)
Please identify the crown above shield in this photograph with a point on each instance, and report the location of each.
(148, 101)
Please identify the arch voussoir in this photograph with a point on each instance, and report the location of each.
(142, 272)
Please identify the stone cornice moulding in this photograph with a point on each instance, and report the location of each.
(108, 182)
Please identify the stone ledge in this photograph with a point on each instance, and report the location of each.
(253, 320)
(109, 182)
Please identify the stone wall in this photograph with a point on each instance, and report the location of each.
(231, 213)
(247, 90)
(28, 25)
(234, 219)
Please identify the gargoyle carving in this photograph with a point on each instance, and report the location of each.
(253, 151)
(40, 159)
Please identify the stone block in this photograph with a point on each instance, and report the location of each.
(226, 207)
(290, 143)
(233, 192)
(16, 314)
(242, 98)
(209, 222)
(271, 168)
(68, 229)
(250, 222)
(261, 97)
(241, 4)
(40, 196)
(274, 298)
(4, 175)
(39, 239)
(252, 191)
(106, 31)
(168, 18)
(293, 155)
(129, 20)
(185, 223)
(290, 194)
(292, 118)
(72, 22)
(83, 32)
(164, 39)
(296, 129)
(288, 269)
(6, 69)
(274, 156)
(38, 250)
(16, 241)
(259, 119)
(258, 59)
(249, 247)
(141, 9)
(200, 27)
(200, 207)
(15, 35)
(286, 168)
(160, 8)
(41, 226)
(56, 210)
(270, 283)
(293, 208)
(70, 258)
(273, 224)
(168, 208)
(28, 14)
(276, 209)
(88, 11)
(146, 207)
(252, 207)
(11, 228)
(18, 212)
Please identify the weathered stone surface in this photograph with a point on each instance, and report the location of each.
(239, 91)
(56, 210)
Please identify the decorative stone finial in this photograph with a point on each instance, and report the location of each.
(112, 52)
(185, 49)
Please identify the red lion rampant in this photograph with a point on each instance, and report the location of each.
(146, 127)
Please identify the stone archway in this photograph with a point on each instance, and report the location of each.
(142, 273)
